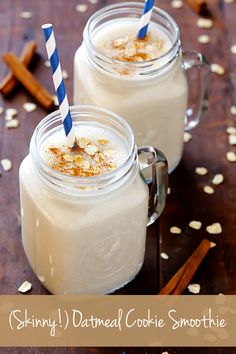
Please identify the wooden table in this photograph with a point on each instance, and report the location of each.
(187, 200)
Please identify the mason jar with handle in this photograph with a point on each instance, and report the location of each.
(87, 234)
(151, 95)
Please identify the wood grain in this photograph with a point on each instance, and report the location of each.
(186, 202)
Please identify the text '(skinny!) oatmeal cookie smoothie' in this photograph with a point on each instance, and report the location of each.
(143, 80)
(85, 209)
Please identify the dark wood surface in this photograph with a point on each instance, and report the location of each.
(187, 201)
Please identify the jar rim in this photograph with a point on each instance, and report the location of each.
(137, 6)
(56, 178)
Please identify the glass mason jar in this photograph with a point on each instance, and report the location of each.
(153, 95)
(87, 234)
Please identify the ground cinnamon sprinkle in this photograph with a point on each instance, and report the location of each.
(132, 49)
(86, 159)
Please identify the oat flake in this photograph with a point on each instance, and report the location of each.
(194, 288)
(231, 156)
(177, 4)
(29, 106)
(204, 23)
(175, 230)
(6, 164)
(217, 69)
(203, 39)
(218, 179)
(12, 123)
(47, 63)
(208, 190)
(233, 49)
(65, 74)
(164, 255)
(232, 139)
(214, 229)
(202, 171)
(196, 225)
(187, 137)
(55, 100)
(81, 8)
(233, 110)
(212, 244)
(169, 190)
(26, 14)
(231, 130)
(25, 287)
(11, 112)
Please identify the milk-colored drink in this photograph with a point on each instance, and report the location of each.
(92, 241)
(137, 79)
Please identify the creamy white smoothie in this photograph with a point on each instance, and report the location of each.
(91, 241)
(139, 82)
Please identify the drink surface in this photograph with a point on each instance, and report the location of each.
(120, 42)
(97, 151)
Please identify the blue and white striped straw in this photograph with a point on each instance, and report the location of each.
(145, 19)
(59, 84)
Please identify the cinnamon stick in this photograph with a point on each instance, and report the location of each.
(200, 7)
(28, 81)
(9, 83)
(178, 283)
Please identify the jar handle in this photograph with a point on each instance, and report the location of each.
(198, 82)
(149, 156)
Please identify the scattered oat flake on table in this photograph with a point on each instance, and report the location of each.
(231, 130)
(231, 156)
(218, 179)
(164, 255)
(233, 49)
(81, 7)
(26, 14)
(204, 23)
(177, 4)
(212, 244)
(65, 74)
(233, 110)
(217, 69)
(13, 123)
(29, 106)
(6, 164)
(214, 229)
(47, 63)
(55, 100)
(203, 39)
(187, 137)
(196, 225)
(194, 288)
(11, 112)
(25, 287)
(232, 139)
(202, 171)
(169, 190)
(175, 230)
(208, 190)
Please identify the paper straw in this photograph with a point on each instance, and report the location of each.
(145, 19)
(59, 84)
